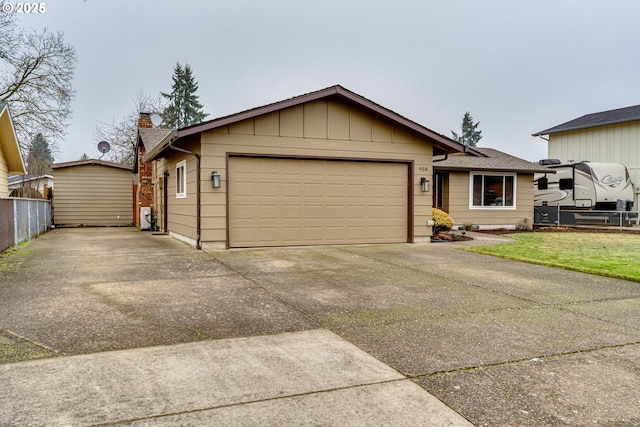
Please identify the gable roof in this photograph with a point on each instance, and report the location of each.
(91, 162)
(493, 160)
(9, 142)
(441, 143)
(151, 137)
(610, 117)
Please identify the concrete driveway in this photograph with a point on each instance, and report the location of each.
(344, 335)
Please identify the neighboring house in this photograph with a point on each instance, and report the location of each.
(10, 158)
(609, 136)
(35, 187)
(92, 193)
(494, 190)
(328, 167)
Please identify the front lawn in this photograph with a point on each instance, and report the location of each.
(606, 254)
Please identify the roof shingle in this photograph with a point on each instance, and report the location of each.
(610, 117)
(495, 160)
(151, 137)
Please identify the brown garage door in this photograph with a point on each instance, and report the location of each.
(286, 202)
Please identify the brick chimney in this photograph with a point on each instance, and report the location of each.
(143, 187)
(144, 121)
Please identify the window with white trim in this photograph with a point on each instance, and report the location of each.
(492, 191)
(181, 180)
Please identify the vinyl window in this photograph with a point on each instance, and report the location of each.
(492, 191)
(181, 180)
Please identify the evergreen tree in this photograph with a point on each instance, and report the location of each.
(184, 109)
(469, 135)
(39, 157)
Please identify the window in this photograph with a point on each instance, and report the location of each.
(181, 180)
(565, 184)
(493, 191)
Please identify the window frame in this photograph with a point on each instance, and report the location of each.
(181, 179)
(473, 175)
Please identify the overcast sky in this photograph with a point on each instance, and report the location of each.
(518, 66)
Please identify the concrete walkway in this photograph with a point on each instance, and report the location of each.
(109, 326)
(299, 378)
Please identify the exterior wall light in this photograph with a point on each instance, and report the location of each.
(215, 179)
(424, 184)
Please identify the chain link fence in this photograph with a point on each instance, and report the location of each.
(23, 219)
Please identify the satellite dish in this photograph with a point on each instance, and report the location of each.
(104, 147)
(156, 119)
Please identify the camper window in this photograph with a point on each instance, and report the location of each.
(543, 183)
(566, 184)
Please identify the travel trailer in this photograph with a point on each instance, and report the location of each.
(583, 186)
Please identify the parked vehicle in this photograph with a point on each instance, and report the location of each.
(583, 186)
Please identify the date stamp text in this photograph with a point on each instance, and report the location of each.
(30, 8)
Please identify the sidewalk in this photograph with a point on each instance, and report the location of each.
(301, 378)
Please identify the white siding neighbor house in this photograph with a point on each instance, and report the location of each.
(609, 136)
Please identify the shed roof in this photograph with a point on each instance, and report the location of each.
(9, 142)
(90, 162)
(27, 178)
(603, 118)
(442, 144)
(493, 160)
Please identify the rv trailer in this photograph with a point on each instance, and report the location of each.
(587, 192)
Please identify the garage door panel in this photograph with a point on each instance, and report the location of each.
(291, 212)
(356, 190)
(280, 202)
(245, 188)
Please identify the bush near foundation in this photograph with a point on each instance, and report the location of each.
(442, 222)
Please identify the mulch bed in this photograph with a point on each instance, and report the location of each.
(453, 237)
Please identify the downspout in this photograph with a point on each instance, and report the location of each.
(197, 156)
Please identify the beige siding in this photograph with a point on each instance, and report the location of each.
(93, 195)
(4, 176)
(461, 213)
(614, 143)
(349, 134)
(181, 211)
(318, 129)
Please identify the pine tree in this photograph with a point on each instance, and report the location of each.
(469, 135)
(184, 109)
(39, 158)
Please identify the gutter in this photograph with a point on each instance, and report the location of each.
(198, 197)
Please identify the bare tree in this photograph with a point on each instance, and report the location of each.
(36, 71)
(121, 134)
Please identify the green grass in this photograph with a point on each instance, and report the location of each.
(605, 254)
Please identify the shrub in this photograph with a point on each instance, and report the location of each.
(521, 226)
(441, 221)
(468, 226)
(524, 225)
